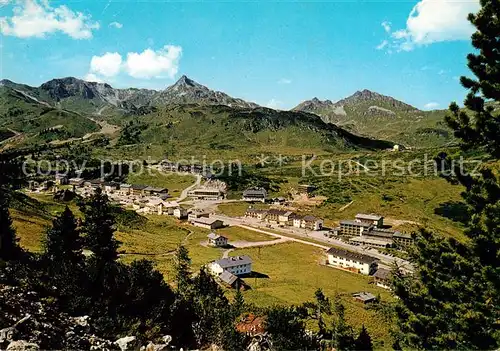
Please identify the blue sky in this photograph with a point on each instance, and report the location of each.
(275, 54)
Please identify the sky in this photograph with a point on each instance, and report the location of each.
(276, 54)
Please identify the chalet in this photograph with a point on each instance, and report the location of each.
(207, 223)
(286, 218)
(273, 215)
(255, 195)
(61, 179)
(77, 182)
(348, 227)
(137, 189)
(364, 297)
(197, 214)
(352, 261)
(373, 219)
(255, 213)
(153, 191)
(382, 278)
(180, 212)
(125, 189)
(237, 265)
(216, 240)
(312, 223)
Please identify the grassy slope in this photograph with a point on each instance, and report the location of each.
(218, 131)
(175, 183)
(407, 126)
(27, 116)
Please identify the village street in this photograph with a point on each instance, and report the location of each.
(254, 224)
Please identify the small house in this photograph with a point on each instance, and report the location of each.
(255, 195)
(76, 182)
(382, 278)
(180, 212)
(364, 297)
(255, 213)
(312, 223)
(229, 279)
(273, 215)
(216, 240)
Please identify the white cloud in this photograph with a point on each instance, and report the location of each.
(148, 64)
(108, 65)
(91, 77)
(274, 104)
(387, 26)
(431, 106)
(154, 64)
(432, 21)
(285, 81)
(33, 18)
(382, 45)
(117, 25)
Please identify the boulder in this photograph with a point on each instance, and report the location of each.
(128, 343)
(21, 345)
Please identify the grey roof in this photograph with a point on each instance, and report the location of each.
(125, 186)
(215, 236)
(255, 192)
(382, 273)
(402, 235)
(356, 223)
(364, 296)
(205, 220)
(372, 217)
(370, 240)
(352, 255)
(232, 261)
(276, 212)
(384, 233)
(228, 277)
(310, 218)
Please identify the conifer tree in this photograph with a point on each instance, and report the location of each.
(99, 227)
(182, 268)
(452, 300)
(364, 341)
(238, 303)
(63, 243)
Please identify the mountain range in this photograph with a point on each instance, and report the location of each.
(81, 103)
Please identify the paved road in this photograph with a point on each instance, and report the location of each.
(184, 192)
(386, 261)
